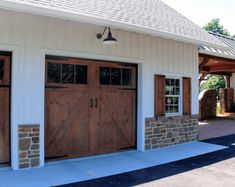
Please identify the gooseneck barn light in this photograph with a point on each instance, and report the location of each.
(110, 39)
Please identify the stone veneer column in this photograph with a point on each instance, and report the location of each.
(226, 99)
(29, 149)
(207, 104)
(167, 131)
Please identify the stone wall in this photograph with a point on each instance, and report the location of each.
(226, 100)
(29, 151)
(166, 131)
(207, 104)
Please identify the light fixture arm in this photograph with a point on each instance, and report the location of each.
(109, 39)
(99, 35)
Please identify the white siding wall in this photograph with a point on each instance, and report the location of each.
(31, 37)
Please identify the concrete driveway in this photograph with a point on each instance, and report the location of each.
(210, 170)
(216, 128)
(87, 168)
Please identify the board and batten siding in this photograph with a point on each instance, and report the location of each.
(31, 37)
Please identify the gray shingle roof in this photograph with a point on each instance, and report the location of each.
(148, 16)
(229, 53)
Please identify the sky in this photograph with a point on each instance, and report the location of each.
(203, 11)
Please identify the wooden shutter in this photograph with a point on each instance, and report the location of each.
(187, 96)
(159, 103)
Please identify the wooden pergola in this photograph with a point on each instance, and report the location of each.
(213, 65)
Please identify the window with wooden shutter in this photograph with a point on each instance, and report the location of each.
(173, 96)
(186, 96)
(159, 104)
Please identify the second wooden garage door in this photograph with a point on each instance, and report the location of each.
(90, 107)
(4, 109)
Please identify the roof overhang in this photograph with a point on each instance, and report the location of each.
(57, 13)
(210, 64)
(222, 55)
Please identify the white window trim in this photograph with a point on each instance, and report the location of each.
(180, 113)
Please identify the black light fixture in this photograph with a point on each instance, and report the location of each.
(110, 39)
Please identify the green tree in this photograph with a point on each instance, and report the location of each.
(214, 26)
(213, 82)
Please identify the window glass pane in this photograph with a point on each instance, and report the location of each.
(177, 82)
(53, 73)
(175, 100)
(175, 109)
(168, 100)
(104, 75)
(172, 87)
(169, 109)
(81, 74)
(169, 90)
(172, 104)
(1, 69)
(68, 73)
(177, 91)
(171, 82)
(167, 82)
(126, 77)
(115, 76)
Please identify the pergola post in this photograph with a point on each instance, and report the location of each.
(228, 82)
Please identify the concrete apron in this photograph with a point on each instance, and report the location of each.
(75, 170)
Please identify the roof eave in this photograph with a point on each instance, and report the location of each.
(102, 22)
(205, 52)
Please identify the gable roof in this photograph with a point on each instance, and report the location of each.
(225, 53)
(151, 17)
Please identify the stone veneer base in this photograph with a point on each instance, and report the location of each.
(167, 131)
(29, 149)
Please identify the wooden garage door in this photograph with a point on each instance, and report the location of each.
(4, 108)
(90, 107)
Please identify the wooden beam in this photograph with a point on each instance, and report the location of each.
(202, 77)
(200, 59)
(228, 82)
(203, 63)
(222, 74)
(227, 60)
(221, 68)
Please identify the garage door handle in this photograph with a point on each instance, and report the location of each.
(91, 103)
(96, 103)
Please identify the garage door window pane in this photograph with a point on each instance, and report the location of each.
(126, 77)
(1, 70)
(115, 76)
(81, 74)
(54, 73)
(105, 76)
(68, 73)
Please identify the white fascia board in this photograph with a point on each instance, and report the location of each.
(62, 14)
(205, 52)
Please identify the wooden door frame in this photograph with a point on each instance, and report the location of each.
(9, 54)
(135, 65)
